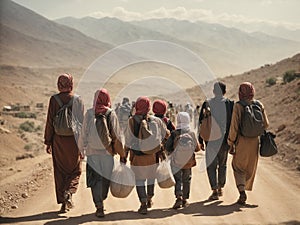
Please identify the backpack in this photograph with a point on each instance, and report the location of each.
(209, 128)
(93, 138)
(103, 127)
(252, 122)
(184, 147)
(64, 122)
(148, 137)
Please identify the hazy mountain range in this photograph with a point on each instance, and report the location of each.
(29, 39)
(272, 29)
(226, 50)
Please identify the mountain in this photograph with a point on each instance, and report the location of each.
(118, 32)
(226, 50)
(28, 39)
(111, 30)
(252, 50)
(271, 29)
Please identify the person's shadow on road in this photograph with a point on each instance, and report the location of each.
(41, 216)
(202, 208)
(213, 208)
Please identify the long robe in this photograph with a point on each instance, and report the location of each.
(244, 162)
(65, 152)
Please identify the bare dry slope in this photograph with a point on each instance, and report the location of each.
(28, 39)
(282, 103)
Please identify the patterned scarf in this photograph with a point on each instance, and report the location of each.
(65, 83)
(246, 91)
(101, 101)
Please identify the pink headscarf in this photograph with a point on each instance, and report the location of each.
(159, 107)
(101, 101)
(65, 83)
(142, 105)
(246, 91)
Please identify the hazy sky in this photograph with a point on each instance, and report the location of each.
(272, 11)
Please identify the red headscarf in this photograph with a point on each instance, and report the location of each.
(159, 107)
(246, 91)
(65, 83)
(142, 105)
(101, 101)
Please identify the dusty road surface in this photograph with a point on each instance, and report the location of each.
(274, 200)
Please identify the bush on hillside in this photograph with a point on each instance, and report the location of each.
(27, 126)
(271, 81)
(289, 76)
(25, 115)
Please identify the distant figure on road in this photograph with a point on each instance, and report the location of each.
(171, 113)
(64, 149)
(124, 112)
(244, 149)
(196, 118)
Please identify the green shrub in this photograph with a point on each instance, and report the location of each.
(271, 81)
(289, 76)
(25, 115)
(28, 147)
(27, 126)
(38, 128)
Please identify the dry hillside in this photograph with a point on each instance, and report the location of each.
(281, 101)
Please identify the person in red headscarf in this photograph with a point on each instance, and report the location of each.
(64, 149)
(244, 149)
(159, 109)
(100, 147)
(144, 136)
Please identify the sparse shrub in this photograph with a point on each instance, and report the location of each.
(38, 128)
(271, 81)
(25, 115)
(289, 76)
(28, 147)
(27, 126)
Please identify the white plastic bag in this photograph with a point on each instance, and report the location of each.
(122, 181)
(164, 175)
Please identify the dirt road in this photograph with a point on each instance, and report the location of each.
(274, 200)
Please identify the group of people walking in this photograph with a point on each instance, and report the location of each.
(145, 140)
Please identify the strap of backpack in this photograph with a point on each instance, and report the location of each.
(61, 104)
(59, 101)
(243, 103)
(256, 102)
(107, 116)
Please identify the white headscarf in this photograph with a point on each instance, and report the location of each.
(183, 120)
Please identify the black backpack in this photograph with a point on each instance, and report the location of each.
(64, 123)
(252, 123)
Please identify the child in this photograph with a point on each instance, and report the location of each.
(181, 146)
